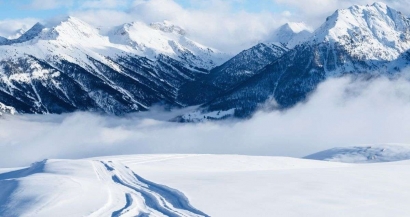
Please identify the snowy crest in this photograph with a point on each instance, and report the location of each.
(371, 32)
(166, 39)
(72, 30)
(292, 34)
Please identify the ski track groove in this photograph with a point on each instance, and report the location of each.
(157, 200)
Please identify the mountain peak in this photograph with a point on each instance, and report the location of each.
(72, 30)
(30, 34)
(291, 34)
(168, 27)
(74, 22)
(296, 27)
(165, 38)
(38, 25)
(376, 30)
(380, 5)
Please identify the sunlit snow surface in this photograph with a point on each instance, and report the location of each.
(364, 154)
(207, 185)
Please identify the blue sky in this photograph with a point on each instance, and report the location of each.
(13, 9)
(17, 9)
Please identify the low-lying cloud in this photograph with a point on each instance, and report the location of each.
(342, 112)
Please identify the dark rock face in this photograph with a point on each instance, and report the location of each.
(290, 79)
(227, 76)
(68, 87)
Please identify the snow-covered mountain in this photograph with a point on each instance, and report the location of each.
(167, 39)
(225, 77)
(361, 40)
(372, 32)
(292, 34)
(70, 66)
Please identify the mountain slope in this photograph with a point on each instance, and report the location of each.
(167, 39)
(70, 66)
(367, 40)
(236, 70)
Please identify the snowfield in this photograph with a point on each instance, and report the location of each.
(205, 185)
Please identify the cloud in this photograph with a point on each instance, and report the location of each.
(11, 28)
(314, 12)
(342, 112)
(103, 18)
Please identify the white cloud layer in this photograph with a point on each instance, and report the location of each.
(314, 12)
(342, 112)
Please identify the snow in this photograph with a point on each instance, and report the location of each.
(168, 39)
(7, 109)
(335, 182)
(292, 34)
(298, 27)
(86, 188)
(74, 40)
(365, 154)
(370, 32)
(71, 39)
(205, 185)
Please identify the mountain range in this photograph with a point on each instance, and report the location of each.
(71, 66)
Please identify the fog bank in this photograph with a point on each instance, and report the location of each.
(342, 112)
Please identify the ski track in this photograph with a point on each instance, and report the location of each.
(158, 200)
(127, 193)
(129, 199)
